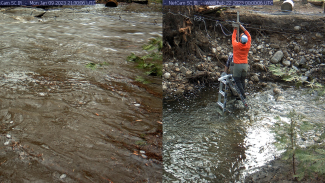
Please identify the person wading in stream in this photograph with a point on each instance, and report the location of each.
(240, 54)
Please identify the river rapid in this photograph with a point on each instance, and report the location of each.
(202, 144)
(63, 121)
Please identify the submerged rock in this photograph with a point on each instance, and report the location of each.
(276, 91)
(280, 98)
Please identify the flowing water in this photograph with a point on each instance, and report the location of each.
(61, 121)
(201, 144)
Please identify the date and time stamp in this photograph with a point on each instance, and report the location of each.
(165, 2)
(47, 3)
(217, 2)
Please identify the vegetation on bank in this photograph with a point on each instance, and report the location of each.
(292, 75)
(301, 140)
(151, 63)
(308, 161)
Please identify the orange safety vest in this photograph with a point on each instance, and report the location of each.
(240, 50)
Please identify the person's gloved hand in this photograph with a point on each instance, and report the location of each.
(223, 74)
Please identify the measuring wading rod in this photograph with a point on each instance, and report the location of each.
(238, 26)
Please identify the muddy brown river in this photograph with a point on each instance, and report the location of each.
(61, 121)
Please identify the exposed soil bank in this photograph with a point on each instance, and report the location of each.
(195, 49)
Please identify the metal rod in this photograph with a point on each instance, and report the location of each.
(238, 26)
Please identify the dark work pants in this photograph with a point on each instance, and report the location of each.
(239, 73)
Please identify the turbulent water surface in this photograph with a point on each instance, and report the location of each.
(203, 144)
(61, 118)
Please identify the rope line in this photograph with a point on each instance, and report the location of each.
(198, 18)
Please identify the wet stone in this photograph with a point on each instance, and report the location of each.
(280, 98)
(276, 91)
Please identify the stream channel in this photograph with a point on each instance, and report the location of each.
(61, 121)
(201, 144)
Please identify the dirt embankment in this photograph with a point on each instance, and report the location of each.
(196, 47)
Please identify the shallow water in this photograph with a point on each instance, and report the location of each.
(62, 121)
(203, 144)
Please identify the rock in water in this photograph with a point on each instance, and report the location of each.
(276, 91)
